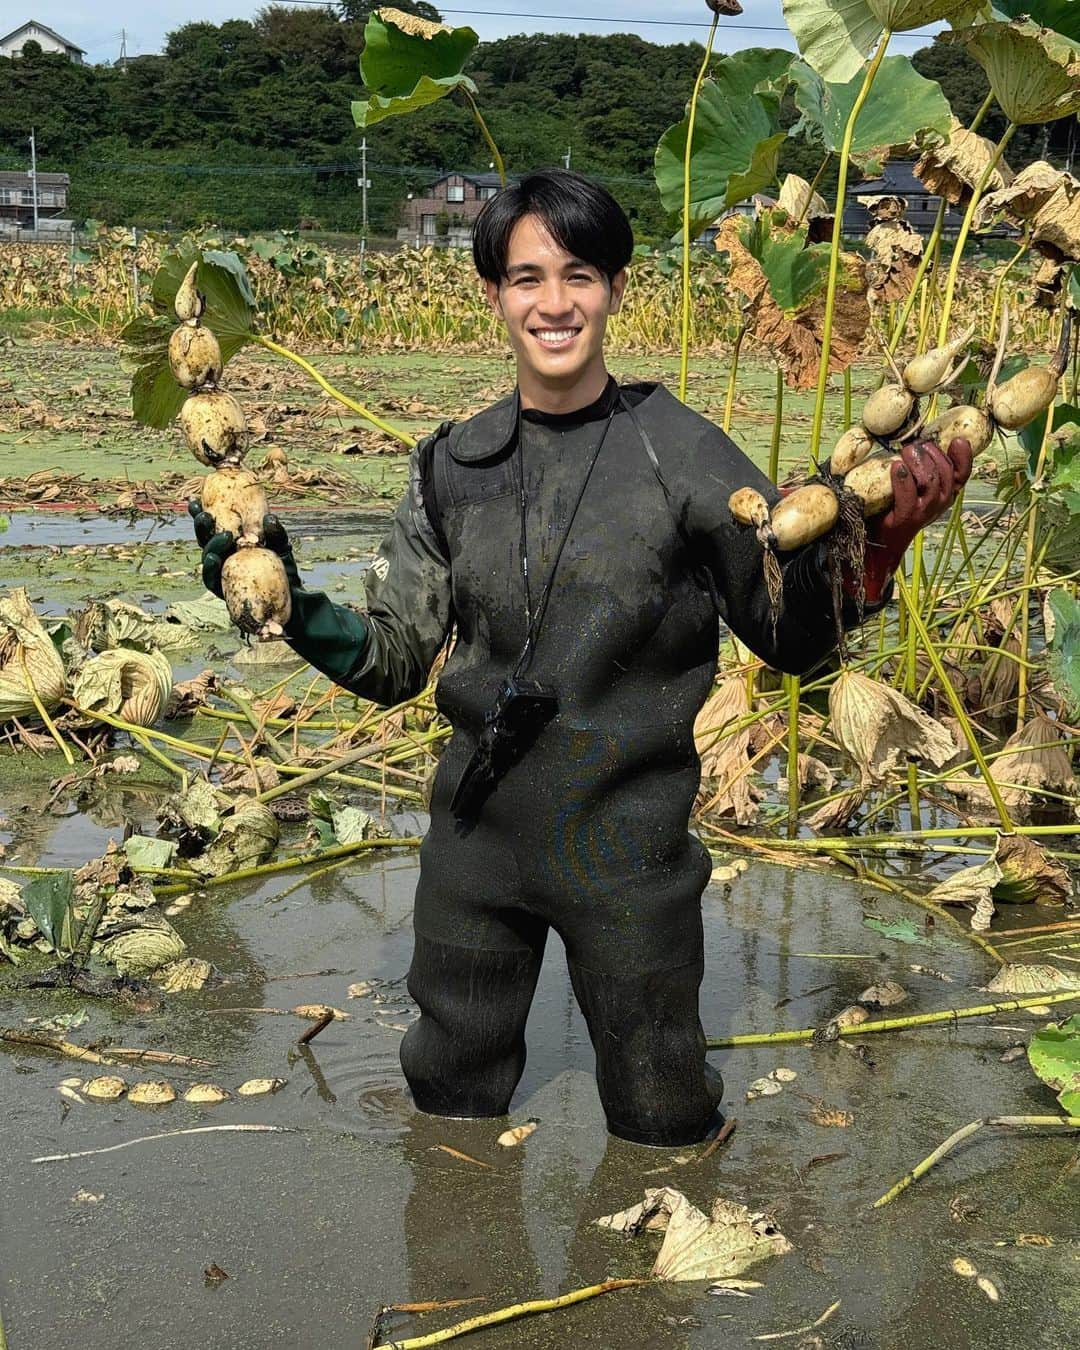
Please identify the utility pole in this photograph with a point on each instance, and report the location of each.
(122, 62)
(363, 183)
(566, 157)
(33, 178)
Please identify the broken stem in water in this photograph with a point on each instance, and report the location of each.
(965, 1132)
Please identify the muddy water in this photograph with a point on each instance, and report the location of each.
(357, 1205)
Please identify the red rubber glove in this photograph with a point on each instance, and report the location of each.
(925, 482)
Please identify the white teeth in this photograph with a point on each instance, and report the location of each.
(551, 335)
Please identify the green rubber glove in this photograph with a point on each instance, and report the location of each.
(331, 637)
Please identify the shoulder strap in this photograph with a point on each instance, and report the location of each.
(426, 471)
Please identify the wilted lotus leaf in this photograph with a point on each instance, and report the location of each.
(187, 695)
(28, 660)
(1032, 70)
(315, 1012)
(1033, 759)
(131, 684)
(723, 750)
(258, 1087)
(835, 814)
(152, 1094)
(107, 1088)
(953, 169)
(886, 994)
(247, 838)
(895, 250)
(205, 1094)
(241, 778)
(1022, 979)
(836, 36)
(846, 1020)
(411, 24)
(794, 337)
(195, 811)
(143, 946)
(1029, 873)
(1055, 228)
(105, 624)
(1047, 282)
(884, 208)
(764, 1087)
(699, 1248)
(880, 730)
(813, 773)
(968, 886)
(182, 976)
(807, 207)
(1028, 192)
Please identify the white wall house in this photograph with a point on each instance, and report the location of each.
(46, 38)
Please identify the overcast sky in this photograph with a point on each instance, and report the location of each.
(97, 26)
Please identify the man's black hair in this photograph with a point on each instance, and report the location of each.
(582, 217)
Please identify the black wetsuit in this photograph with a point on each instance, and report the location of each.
(588, 832)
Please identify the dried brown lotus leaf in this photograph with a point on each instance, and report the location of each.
(151, 1094)
(1032, 759)
(1028, 192)
(699, 1247)
(1020, 979)
(813, 773)
(724, 751)
(887, 994)
(954, 168)
(967, 886)
(1029, 873)
(795, 342)
(134, 685)
(1000, 678)
(315, 1012)
(800, 202)
(28, 660)
(763, 1087)
(848, 1018)
(895, 250)
(835, 814)
(106, 1088)
(205, 1094)
(880, 730)
(1057, 224)
(182, 976)
(884, 207)
(258, 1087)
(820, 1114)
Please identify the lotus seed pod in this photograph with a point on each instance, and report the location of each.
(855, 445)
(257, 592)
(887, 409)
(205, 1094)
(152, 1094)
(748, 506)
(1019, 400)
(872, 482)
(804, 515)
(214, 427)
(107, 1088)
(194, 357)
(189, 303)
(922, 374)
(964, 420)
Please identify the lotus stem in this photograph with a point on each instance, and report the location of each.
(729, 400)
(965, 229)
(893, 1023)
(387, 427)
(958, 708)
(61, 744)
(793, 686)
(684, 341)
(965, 1132)
(995, 308)
(501, 1315)
(778, 424)
(289, 864)
(160, 758)
(500, 168)
(258, 725)
(1029, 563)
(834, 252)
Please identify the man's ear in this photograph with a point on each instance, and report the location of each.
(491, 290)
(618, 287)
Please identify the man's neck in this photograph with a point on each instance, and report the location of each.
(543, 398)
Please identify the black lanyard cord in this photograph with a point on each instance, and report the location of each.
(534, 619)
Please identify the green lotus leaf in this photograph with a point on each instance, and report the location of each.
(410, 64)
(1033, 72)
(836, 36)
(229, 314)
(737, 137)
(1064, 650)
(794, 272)
(901, 15)
(394, 60)
(902, 107)
(1061, 15)
(1054, 1054)
(366, 112)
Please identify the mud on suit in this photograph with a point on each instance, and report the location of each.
(587, 833)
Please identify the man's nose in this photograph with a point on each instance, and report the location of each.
(555, 299)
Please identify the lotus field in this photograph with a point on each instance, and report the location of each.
(923, 782)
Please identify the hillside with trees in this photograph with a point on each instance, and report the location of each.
(248, 124)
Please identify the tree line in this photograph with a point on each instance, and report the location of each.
(247, 124)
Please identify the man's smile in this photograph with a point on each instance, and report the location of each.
(555, 339)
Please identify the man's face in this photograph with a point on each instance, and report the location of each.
(556, 309)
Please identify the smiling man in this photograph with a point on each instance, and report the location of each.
(573, 544)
